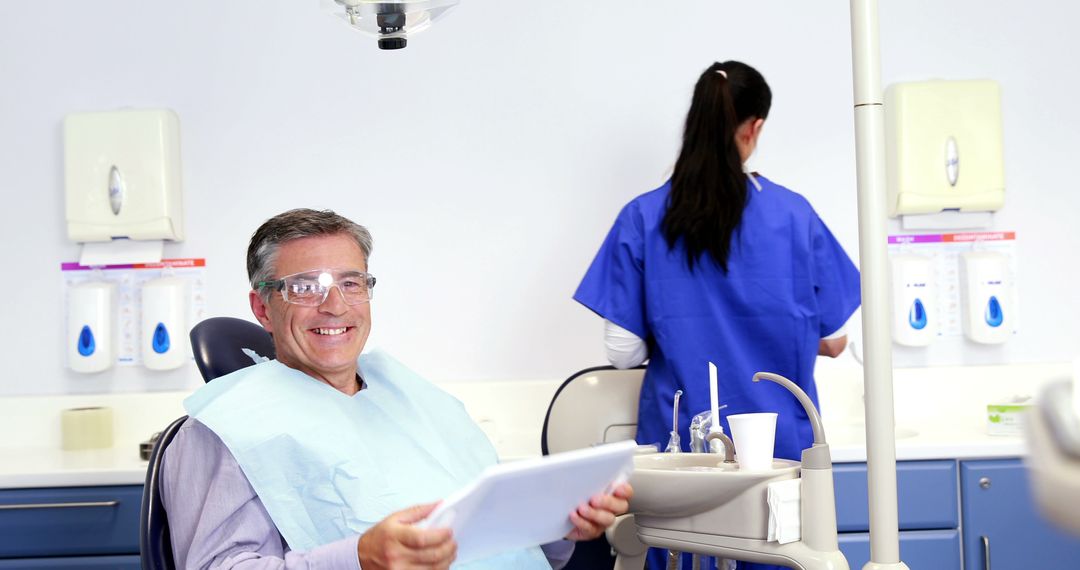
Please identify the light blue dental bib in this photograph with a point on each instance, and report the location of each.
(327, 466)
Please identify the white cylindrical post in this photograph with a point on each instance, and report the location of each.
(819, 510)
(630, 552)
(874, 260)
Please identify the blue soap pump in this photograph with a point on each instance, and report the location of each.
(986, 297)
(914, 300)
(91, 345)
(164, 326)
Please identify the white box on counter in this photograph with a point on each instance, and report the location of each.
(1006, 418)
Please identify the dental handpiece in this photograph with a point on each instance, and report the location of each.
(674, 444)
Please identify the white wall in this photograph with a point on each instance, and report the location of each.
(490, 156)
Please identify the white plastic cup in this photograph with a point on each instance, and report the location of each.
(754, 436)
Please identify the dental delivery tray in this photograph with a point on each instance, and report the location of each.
(528, 502)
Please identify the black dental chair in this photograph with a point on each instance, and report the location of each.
(218, 344)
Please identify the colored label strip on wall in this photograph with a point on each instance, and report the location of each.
(180, 262)
(953, 238)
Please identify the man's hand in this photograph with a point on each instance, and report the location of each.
(592, 519)
(395, 544)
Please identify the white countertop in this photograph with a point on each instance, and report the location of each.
(31, 447)
(39, 467)
(941, 442)
(51, 467)
(951, 425)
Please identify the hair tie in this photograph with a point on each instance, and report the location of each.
(722, 72)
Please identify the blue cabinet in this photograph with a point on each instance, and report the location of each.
(988, 521)
(131, 562)
(90, 527)
(929, 522)
(936, 549)
(926, 491)
(1002, 529)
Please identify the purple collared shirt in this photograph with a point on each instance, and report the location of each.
(217, 521)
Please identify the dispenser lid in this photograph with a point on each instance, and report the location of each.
(122, 175)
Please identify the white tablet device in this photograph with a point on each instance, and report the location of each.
(528, 503)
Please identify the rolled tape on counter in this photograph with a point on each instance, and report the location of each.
(86, 428)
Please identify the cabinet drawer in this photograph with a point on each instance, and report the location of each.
(937, 549)
(1001, 521)
(926, 491)
(130, 562)
(69, 521)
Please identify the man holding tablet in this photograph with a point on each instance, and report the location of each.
(326, 457)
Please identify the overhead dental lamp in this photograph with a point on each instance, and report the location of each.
(391, 22)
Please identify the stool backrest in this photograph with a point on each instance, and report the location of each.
(595, 405)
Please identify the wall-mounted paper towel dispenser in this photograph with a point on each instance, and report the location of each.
(944, 147)
(122, 175)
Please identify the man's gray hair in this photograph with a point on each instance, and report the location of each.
(296, 224)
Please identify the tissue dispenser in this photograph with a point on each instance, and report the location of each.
(122, 175)
(944, 148)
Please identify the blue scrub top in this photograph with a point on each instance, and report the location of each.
(789, 283)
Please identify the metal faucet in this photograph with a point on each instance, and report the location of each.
(729, 446)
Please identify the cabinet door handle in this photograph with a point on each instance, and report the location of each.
(986, 551)
(77, 505)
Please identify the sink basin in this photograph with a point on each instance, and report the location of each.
(857, 432)
(686, 484)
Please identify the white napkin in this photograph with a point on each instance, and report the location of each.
(120, 251)
(785, 514)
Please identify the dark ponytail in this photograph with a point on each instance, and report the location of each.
(708, 187)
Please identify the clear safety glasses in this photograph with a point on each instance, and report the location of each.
(310, 288)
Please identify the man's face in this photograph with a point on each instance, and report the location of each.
(322, 341)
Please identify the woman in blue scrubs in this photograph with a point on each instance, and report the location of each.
(725, 266)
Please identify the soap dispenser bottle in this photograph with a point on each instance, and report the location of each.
(914, 300)
(164, 331)
(989, 312)
(91, 328)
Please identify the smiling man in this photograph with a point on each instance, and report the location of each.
(324, 458)
(314, 332)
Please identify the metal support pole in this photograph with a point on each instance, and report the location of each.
(874, 259)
